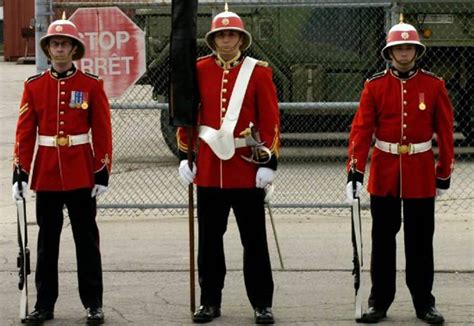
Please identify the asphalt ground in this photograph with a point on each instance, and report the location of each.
(145, 260)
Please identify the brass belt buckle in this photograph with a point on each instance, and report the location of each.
(62, 141)
(404, 149)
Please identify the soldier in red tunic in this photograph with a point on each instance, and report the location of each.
(67, 113)
(237, 146)
(403, 106)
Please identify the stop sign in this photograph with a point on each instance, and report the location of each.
(115, 47)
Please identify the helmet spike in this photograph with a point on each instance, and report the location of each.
(401, 17)
(226, 6)
(64, 16)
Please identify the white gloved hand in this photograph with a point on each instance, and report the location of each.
(440, 192)
(187, 176)
(264, 177)
(98, 190)
(16, 192)
(349, 194)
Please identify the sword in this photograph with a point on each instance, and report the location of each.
(23, 259)
(268, 195)
(356, 229)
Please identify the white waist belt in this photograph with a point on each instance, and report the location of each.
(396, 148)
(69, 140)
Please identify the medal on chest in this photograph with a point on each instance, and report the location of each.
(421, 105)
(79, 100)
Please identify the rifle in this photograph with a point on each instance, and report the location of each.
(23, 259)
(356, 230)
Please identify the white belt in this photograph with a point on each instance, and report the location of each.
(69, 140)
(396, 148)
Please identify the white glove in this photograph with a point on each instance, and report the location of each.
(264, 177)
(16, 192)
(269, 193)
(349, 194)
(440, 192)
(98, 190)
(187, 176)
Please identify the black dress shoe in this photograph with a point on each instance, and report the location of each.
(38, 316)
(264, 316)
(373, 315)
(431, 316)
(205, 314)
(95, 316)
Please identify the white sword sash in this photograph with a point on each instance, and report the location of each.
(222, 141)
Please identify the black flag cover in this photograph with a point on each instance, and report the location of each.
(184, 94)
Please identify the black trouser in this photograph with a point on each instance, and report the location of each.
(49, 215)
(213, 211)
(418, 227)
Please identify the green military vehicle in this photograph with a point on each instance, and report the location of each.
(322, 52)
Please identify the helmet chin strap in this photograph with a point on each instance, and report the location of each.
(233, 48)
(399, 64)
(62, 58)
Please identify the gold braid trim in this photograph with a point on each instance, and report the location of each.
(24, 108)
(275, 148)
(182, 146)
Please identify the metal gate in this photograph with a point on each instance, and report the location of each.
(320, 52)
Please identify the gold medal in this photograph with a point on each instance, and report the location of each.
(422, 106)
(84, 105)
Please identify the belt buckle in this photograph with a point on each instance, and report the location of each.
(404, 149)
(62, 141)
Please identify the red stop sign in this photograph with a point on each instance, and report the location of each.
(115, 47)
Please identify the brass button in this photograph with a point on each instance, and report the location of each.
(62, 92)
(61, 112)
(63, 82)
(224, 90)
(405, 114)
(61, 122)
(404, 125)
(226, 72)
(62, 102)
(224, 80)
(61, 132)
(404, 137)
(404, 102)
(405, 91)
(224, 100)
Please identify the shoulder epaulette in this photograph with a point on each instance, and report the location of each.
(429, 73)
(262, 63)
(31, 78)
(377, 75)
(88, 74)
(204, 57)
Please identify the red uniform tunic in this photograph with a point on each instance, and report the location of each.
(404, 111)
(260, 107)
(46, 109)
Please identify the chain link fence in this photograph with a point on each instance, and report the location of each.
(321, 52)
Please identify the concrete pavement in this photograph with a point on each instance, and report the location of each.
(145, 260)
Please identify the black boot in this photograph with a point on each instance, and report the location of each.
(264, 316)
(205, 314)
(430, 316)
(95, 316)
(373, 315)
(38, 316)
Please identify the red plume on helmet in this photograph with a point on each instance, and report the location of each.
(228, 20)
(403, 33)
(63, 27)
